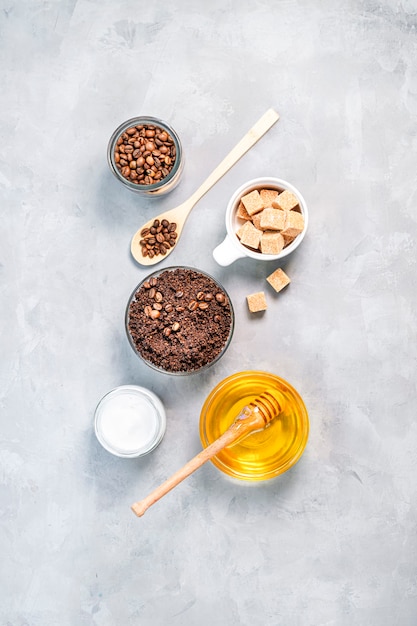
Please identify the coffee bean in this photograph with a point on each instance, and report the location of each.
(203, 305)
(175, 326)
(220, 297)
(158, 296)
(153, 281)
(200, 295)
(154, 314)
(193, 305)
(166, 332)
(157, 306)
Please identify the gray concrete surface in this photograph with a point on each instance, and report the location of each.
(333, 541)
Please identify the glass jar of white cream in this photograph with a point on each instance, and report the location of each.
(130, 421)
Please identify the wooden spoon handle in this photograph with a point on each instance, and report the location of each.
(257, 131)
(236, 431)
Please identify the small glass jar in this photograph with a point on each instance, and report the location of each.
(166, 183)
(130, 421)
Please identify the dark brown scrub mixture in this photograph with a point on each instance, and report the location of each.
(180, 320)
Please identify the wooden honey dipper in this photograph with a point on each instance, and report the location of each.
(253, 417)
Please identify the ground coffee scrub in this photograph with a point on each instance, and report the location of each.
(180, 320)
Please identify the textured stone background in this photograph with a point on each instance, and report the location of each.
(333, 541)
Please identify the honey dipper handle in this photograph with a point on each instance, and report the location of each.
(257, 131)
(236, 431)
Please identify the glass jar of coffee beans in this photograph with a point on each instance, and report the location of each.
(145, 154)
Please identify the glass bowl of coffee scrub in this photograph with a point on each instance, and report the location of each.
(179, 320)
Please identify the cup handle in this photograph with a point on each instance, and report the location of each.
(226, 253)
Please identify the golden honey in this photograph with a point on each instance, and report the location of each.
(268, 452)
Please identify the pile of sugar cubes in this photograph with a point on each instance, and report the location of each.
(271, 220)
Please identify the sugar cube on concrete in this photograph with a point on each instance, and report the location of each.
(278, 279)
(257, 302)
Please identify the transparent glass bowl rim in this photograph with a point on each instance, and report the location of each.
(152, 121)
(207, 365)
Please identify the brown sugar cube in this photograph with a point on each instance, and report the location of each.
(257, 302)
(272, 219)
(272, 242)
(241, 212)
(268, 196)
(252, 202)
(249, 235)
(294, 224)
(287, 239)
(278, 279)
(286, 201)
(256, 220)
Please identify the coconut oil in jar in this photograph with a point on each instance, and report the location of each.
(130, 421)
(263, 454)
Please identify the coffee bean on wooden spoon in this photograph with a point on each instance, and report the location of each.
(156, 239)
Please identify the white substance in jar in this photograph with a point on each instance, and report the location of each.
(130, 421)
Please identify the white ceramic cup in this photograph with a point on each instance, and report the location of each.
(231, 249)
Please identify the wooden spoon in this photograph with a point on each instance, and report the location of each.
(181, 212)
(253, 417)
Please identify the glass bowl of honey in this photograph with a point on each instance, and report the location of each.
(266, 453)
